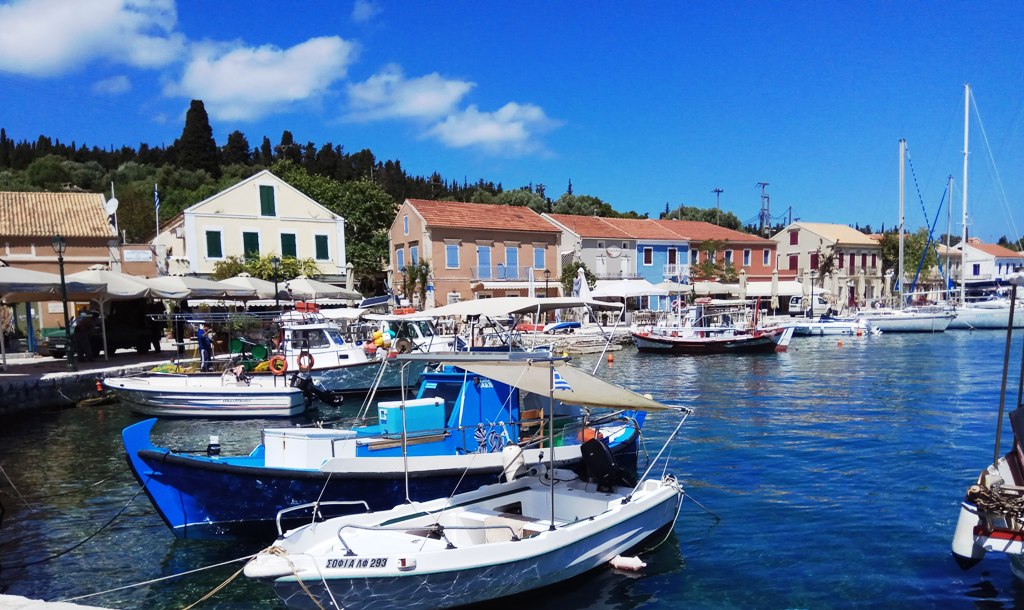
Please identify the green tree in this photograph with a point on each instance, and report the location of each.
(197, 149)
(263, 267)
(708, 269)
(913, 250)
(237, 151)
(569, 273)
(49, 172)
(711, 215)
(524, 198)
(367, 209)
(415, 278)
(583, 205)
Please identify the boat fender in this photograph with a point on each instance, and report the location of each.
(213, 449)
(99, 385)
(406, 563)
(632, 564)
(305, 361)
(278, 365)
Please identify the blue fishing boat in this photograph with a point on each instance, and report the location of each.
(451, 435)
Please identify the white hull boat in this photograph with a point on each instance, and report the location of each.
(828, 327)
(986, 315)
(903, 321)
(497, 541)
(539, 527)
(992, 512)
(227, 395)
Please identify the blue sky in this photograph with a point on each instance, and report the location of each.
(639, 103)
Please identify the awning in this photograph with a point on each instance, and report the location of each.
(506, 306)
(505, 285)
(626, 288)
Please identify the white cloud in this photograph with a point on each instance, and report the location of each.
(114, 85)
(512, 129)
(52, 37)
(364, 10)
(391, 95)
(246, 83)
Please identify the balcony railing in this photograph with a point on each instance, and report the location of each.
(501, 273)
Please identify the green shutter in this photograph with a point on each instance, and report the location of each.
(267, 207)
(288, 245)
(251, 245)
(321, 248)
(213, 249)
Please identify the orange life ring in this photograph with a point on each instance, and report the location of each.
(305, 361)
(278, 365)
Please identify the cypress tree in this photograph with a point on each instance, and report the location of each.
(237, 149)
(197, 149)
(5, 149)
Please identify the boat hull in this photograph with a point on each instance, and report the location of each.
(461, 576)
(914, 323)
(765, 342)
(985, 318)
(202, 497)
(185, 396)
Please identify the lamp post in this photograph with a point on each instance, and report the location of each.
(60, 246)
(810, 312)
(547, 276)
(276, 263)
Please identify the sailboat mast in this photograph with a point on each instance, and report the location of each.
(949, 227)
(903, 164)
(963, 231)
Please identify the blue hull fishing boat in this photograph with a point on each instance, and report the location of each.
(450, 436)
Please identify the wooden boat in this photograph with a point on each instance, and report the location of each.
(992, 512)
(541, 528)
(703, 329)
(450, 434)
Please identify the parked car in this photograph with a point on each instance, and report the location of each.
(797, 308)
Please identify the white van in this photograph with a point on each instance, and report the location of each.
(797, 308)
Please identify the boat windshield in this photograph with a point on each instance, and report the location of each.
(416, 329)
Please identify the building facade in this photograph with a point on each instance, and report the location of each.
(802, 247)
(260, 216)
(474, 250)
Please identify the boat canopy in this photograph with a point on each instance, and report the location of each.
(506, 306)
(529, 373)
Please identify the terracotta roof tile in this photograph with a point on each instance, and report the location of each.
(591, 226)
(701, 231)
(997, 250)
(456, 214)
(643, 228)
(47, 214)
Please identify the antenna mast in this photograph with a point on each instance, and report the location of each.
(765, 206)
(718, 207)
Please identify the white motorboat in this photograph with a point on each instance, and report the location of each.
(992, 511)
(231, 394)
(825, 326)
(540, 528)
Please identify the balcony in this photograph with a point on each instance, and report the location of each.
(501, 273)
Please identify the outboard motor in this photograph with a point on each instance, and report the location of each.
(601, 467)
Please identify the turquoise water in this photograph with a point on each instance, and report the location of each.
(836, 472)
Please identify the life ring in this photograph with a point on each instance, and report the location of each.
(278, 365)
(305, 361)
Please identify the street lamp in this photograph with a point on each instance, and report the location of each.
(276, 264)
(810, 312)
(60, 246)
(547, 276)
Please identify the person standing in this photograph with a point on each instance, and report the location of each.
(204, 336)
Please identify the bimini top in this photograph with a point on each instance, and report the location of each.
(529, 371)
(506, 306)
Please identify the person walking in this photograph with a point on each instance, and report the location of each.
(204, 336)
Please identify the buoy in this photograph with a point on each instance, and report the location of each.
(565, 354)
(839, 344)
(611, 358)
(99, 385)
(628, 563)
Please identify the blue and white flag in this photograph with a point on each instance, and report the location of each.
(560, 383)
(156, 198)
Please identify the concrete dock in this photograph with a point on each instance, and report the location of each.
(33, 383)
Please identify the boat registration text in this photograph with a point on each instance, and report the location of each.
(356, 562)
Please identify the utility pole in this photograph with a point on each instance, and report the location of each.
(718, 207)
(765, 205)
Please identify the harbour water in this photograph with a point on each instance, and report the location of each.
(836, 471)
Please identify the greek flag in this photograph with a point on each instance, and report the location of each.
(156, 198)
(560, 383)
